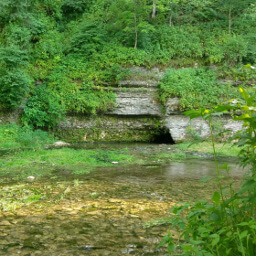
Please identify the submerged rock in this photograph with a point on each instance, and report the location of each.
(5, 223)
(61, 144)
(30, 178)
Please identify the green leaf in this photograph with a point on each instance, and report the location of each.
(216, 239)
(224, 167)
(187, 248)
(216, 197)
(243, 234)
(171, 247)
(193, 113)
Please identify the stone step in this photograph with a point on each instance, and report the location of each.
(134, 90)
(138, 83)
(136, 103)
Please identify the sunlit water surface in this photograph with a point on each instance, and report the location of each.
(109, 211)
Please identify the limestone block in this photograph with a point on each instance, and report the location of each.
(172, 106)
(178, 127)
(132, 103)
(233, 126)
(140, 83)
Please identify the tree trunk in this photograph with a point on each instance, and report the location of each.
(229, 21)
(154, 9)
(170, 20)
(135, 27)
(171, 12)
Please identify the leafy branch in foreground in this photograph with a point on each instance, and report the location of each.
(226, 225)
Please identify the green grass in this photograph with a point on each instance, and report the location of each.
(222, 149)
(44, 162)
(13, 136)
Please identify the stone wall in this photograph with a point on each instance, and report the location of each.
(109, 128)
(137, 116)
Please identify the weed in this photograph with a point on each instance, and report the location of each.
(226, 225)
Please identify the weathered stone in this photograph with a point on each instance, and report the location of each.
(136, 116)
(172, 106)
(61, 144)
(233, 126)
(109, 122)
(30, 178)
(136, 83)
(109, 128)
(7, 118)
(5, 223)
(178, 126)
(143, 73)
(136, 103)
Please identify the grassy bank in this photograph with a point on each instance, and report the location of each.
(222, 149)
(24, 153)
(56, 162)
(13, 137)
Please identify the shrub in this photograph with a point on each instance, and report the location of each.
(88, 37)
(226, 225)
(74, 84)
(13, 136)
(13, 86)
(43, 109)
(177, 42)
(232, 49)
(196, 88)
(13, 56)
(13, 79)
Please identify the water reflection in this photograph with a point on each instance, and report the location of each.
(197, 169)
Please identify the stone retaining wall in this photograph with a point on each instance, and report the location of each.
(137, 116)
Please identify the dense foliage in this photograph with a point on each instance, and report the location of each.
(13, 137)
(73, 47)
(225, 226)
(195, 87)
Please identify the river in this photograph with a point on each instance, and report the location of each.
(118, 210)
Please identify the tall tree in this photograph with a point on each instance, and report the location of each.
(129, 18)
(232, 9)
(154, 9)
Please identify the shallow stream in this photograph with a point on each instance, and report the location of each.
(118, 210)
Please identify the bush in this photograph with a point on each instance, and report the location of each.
(75, 82)
(13, 79)
(196, 88)
(226, 225)
(43, 109)
(50, 46)
(88, 37)
(177, 42)
(13, 86)
(13, 56)
(13, 136)
(231, 49)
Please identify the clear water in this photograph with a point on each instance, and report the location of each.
(107, 212)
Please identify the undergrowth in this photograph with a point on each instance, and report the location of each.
(225, 225)
(196, 88)
(13, 136)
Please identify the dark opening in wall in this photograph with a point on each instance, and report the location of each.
(163, 136)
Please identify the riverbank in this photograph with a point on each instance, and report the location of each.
(79, 159)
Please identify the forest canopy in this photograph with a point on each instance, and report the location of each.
(55, 55)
